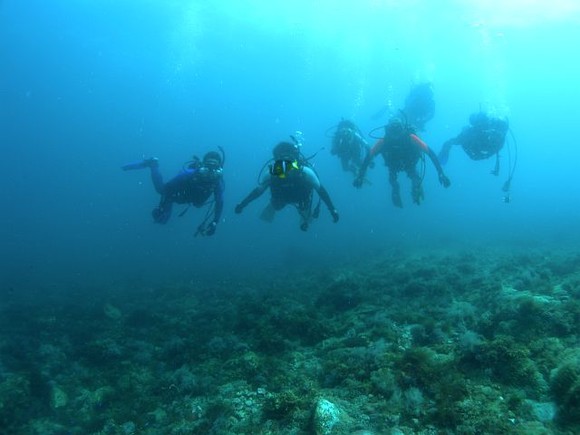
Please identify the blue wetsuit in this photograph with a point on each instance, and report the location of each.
(191, 186)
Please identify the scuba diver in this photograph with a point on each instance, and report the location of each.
(194, 185)
(484, 137)
(292, 181)
(402, 149)
(349, 145)
(420, 105)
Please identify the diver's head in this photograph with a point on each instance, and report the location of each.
(395, 127)
(478, 119)
(345, 124)
(210, 168)
(499, 124)
(212, 160)
(286, 151)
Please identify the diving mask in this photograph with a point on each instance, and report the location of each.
(281, 168)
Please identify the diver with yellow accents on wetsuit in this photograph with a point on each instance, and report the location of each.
(292, 181)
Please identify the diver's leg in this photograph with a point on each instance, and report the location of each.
(162, 212)
(157, 179)
(141, 164)
(151, 163)
(275, 204)
(417, 187)
(268, 213)
(395, 188)
(345, 164)
(304, 221)
(496, 167)
(443, 155)
(356, 160)
(305, 211)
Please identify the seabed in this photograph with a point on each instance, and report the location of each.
(432, 342)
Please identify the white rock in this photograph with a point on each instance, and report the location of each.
(326, 416)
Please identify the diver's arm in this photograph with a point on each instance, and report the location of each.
(314, 182)
(358, 181)
(495, 170)
(435, 161)
(450, 142)
(219, 202)
(335, 145)
(254, 194)
(443, 155)
(218, 195)
(325, 197)
(442, 177)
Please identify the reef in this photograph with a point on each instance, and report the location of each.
(417, 342)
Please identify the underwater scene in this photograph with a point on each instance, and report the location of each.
(308, 217)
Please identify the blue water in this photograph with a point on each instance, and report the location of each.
(86, 86)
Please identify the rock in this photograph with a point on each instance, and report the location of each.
(58, 398)
(326, 417)
(112, 312)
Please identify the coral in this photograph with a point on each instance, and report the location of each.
(402, 343)
(507, 360)
(384, 382)
(565, 387)
(344, 293)
(422, 367)
(282, 406)
(184, 381)
(14, 400)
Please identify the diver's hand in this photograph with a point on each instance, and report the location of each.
(239, 208)
(335, 215)
(358, 182)
(445, 182)
(210, 230)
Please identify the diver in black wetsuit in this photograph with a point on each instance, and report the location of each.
(402, 149)
(291, 182)
(419, 106)
(483, 138)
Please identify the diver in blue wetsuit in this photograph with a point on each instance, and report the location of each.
(193, 185)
